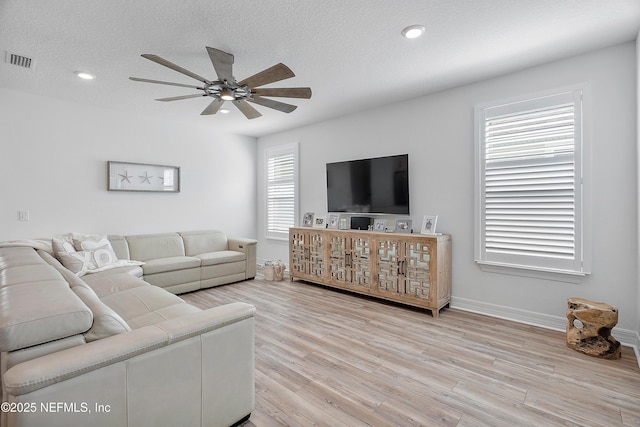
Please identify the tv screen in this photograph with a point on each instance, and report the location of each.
(377, 185)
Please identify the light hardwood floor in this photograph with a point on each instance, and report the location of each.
(329, 358)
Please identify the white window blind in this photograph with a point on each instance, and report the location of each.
(530, 189)
(281, 191)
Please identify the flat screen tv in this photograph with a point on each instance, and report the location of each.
(376, 185)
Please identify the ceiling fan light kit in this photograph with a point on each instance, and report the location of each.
(227, 88)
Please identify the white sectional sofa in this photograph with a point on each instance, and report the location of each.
(109, 349)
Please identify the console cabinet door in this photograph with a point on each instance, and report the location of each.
(360, 263)
(317, 257)
(387, 281)
(417, 266)
(403, 269)
(298, 260)
(349, 262)
(338, 268)
(307, 254)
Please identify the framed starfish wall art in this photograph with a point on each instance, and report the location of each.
(124, 176)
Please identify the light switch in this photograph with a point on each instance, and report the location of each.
(23, 215)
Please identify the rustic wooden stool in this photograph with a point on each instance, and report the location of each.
(589, 328)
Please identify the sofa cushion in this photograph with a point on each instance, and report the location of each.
(221, 257)
(120, 246)
(145, 247)
(30, 318)
(133, 270)
(161, 314)
(162, 265)
(113, 283)
(199, 242)
(106, 322)
(26, 274)
(18, 256)
(146, 305)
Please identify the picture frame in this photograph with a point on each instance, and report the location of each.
(429, 224)
(403, 225)
(343, 224)
(333, 221)
(379, 225)
(320, 221)
(307, 219)
(143, 177)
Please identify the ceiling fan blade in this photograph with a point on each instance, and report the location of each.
(137, 79)
(169, 64)
(246, 109)
(222, 62)
(285, 92)
(273, 74)
(276, 105)
(213, 107)
(177, 98)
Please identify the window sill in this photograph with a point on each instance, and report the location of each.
(282, 240)
(536, 273)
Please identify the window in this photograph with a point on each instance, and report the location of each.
(282, 190)
(529, 194)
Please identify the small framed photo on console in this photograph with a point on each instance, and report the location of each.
(379, 225)
(307, 219)
(320, 221)
(429, 224)
(333, 221)
(403, 225)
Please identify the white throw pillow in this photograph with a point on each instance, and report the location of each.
(88, 254)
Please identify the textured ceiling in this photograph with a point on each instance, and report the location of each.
(350, 52)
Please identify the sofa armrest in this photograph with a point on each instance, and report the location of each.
(248, 246)
(57, 367)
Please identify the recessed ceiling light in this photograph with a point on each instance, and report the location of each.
(84, 75)
(413, 31)
(224, 111)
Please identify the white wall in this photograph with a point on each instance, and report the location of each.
(638, 163)
(53, 158)
(437, 132)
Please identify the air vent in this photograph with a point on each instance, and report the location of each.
(20, 60)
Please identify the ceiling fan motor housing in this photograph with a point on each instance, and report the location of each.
(217, 89)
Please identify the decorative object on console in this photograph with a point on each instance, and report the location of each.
(125, 176)
(344, 224)
(320, 221)
(589, 326)
(403, 225)
(379, 225)
(307, 219)
(429, 224)
(333, 221)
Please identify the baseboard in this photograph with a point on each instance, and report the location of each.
(626, 337)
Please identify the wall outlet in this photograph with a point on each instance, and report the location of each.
(23, 215)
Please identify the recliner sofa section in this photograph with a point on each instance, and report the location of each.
(187, 261)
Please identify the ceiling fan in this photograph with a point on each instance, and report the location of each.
(227, 88)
